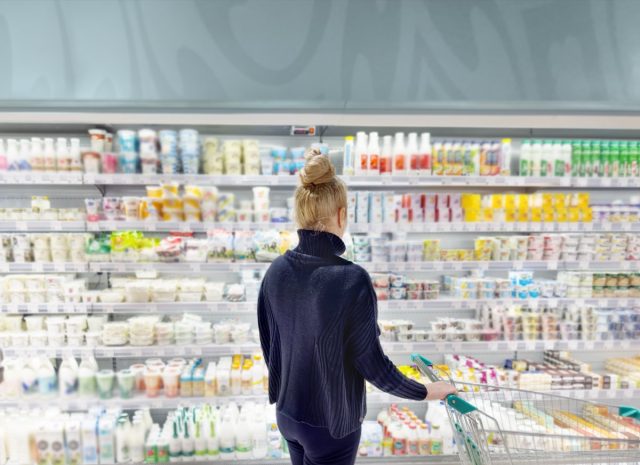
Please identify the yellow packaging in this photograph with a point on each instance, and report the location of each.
(176, 204)
(583, 199)
(510, 215)
(510, 201)
(465, 255)
(172, 214)
(191, 203)
(574, 215)
(154, 192)
(471, 201)
(487, 214)
(471, 215)
(547, 200)
(523, 201)
(170, 189)
(497, 201)
(559, 200)
(536, 215)
(191, 190)
(561, 216)
(587, 215)
(523, 216)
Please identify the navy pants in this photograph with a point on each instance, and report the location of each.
(312, 445)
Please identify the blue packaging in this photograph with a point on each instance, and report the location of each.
(127, 140)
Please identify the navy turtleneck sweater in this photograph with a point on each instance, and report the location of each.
(317, 315)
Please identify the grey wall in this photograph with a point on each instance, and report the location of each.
(311, 54)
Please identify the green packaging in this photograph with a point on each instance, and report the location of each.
(576, 158)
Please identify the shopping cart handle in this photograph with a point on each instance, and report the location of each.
(460, 404)
(629, 412)
(416, 357)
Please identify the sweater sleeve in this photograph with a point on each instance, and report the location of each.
(368, 356)
(263, 323)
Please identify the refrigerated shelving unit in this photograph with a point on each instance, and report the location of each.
(69, 189)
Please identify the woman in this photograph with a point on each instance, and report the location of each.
(317, 317)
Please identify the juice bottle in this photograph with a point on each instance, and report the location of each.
(424, 440)
(634, 158)
(495, 158)
(484, 159)
(425, 154)
(347, 159)
(546, 159)
(413, 442)
(438, 167)
(449, 159)
(558, 159)
(576, 158)
(624, 158)
(399, 439)
(460, 168)
(413, 154)
(536, 159)
(614, 156)
(37, 154)
(399, 155)
(566, 156)
(386, 156)
(374, 154)
(505, 157)
(361, 159)
(596, 167)
(436, 440)
(586, 159)
(525, 158)
(605, 157)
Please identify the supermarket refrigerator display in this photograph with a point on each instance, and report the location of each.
(130, 262)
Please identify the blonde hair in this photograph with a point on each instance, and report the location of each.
(320, 194)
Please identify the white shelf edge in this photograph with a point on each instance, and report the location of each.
(389, 347)
(129, 267)
(90, 179)
(77, 403)
(425, 228)
(231, 308)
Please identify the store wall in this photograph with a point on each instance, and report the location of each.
(312, 54)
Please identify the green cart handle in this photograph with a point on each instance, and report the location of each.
(454, 401)
(629, 412)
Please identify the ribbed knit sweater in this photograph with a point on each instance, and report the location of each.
(317, 315)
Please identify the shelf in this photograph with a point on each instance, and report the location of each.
(180, 267)
(492, 227)
(190, 226)
(212, 350)
(28, 177)
(238, 308)
(183, 226)
(42, 226)
(204, 267)
(35, 177)
(43, 267)
(500, 265)
(357, 228)
(77, 403)
(508, 346)
(209, 350)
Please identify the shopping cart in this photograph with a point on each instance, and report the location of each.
(499, 425)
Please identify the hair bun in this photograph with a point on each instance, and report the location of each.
(317, 170)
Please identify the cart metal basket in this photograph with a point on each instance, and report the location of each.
(499, 425)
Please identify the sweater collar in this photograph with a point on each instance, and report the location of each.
(319, 243)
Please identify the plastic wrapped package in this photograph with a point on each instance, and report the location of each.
(220, 245)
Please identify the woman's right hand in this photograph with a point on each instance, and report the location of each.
(439, 390)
